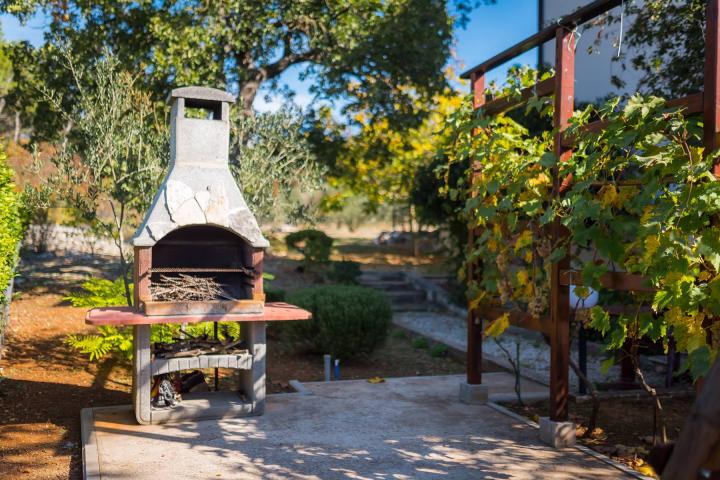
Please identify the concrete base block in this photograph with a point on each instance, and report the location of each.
(473, 394)
(557, 434)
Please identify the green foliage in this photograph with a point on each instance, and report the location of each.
(11, 225)
(399, 334)
(114, 155)
(359, 51)
(99, 292)
(314, 245)
(345, 271)
(642, 200)
(273, 163)
(508, 202)
(438, 350)
(420, 343)
(347, 320)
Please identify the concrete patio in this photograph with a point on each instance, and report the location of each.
(401, 429)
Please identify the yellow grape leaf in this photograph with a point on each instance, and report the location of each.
(652, 243)
(528, 256)
(498, 326)
(607, 195)
(704, 276)
(582, 291)
(646, 469)
(492, 245)
(647, 213)
(525, 239)
(375, 380)
(522, 276)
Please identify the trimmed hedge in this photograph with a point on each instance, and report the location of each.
(347, 320)
(315, 245)
(11, 225)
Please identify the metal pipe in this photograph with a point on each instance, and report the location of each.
(327, 360)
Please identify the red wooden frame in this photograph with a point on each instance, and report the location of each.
(562, 86)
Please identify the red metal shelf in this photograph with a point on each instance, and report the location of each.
(119, 316)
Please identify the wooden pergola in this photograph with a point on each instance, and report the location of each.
(557, 324)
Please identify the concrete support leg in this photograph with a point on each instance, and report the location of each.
(252, 382)
(473, 394)
(142, 378)
(557, 434)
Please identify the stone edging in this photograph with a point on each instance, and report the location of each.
(582, 448)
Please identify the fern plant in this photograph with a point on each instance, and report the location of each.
(98, 292)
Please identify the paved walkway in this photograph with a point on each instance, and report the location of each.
(407, 428)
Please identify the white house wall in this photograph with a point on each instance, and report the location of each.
(593, 72)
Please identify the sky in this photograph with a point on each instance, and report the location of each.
(491, 29)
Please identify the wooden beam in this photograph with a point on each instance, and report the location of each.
(577, 17)
(474, 322)
(544, 88)
(518, 319)
(690, 105)
(711, 114)
(613, 280)
(559, 293)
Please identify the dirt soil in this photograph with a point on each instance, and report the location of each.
(624, 426)
(44, 383)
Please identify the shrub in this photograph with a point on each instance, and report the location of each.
(399, 334)
(345, 271)
(438, 350)
(420, 342)
(347, 320)
(314, 245)
(11, 225)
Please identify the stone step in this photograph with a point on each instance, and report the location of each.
(406, 296)
(373, 275)
(386, 284)
(409, 307)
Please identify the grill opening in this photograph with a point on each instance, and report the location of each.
(205, 259)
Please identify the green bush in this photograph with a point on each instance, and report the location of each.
(438, 350)
(314, 245)
(347, 320)
(420, 342)
(345, 271)
(11, 225)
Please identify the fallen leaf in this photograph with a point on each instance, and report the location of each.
(376, 380)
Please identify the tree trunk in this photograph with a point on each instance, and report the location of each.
(18, 126)
(248, 92)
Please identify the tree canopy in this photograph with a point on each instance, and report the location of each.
(359, 50)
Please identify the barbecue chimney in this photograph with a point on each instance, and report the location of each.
(199, 188)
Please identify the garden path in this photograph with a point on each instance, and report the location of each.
(404, 428)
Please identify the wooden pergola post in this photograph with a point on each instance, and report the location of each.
(560, 294)
(474, 322)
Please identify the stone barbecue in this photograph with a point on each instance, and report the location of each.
(198, 258)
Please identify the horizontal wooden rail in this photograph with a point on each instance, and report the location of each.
(690, 105)
(578, 17)
(503, 104)
(613, 280)
(518, 319)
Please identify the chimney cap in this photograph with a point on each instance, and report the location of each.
(202, 93)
